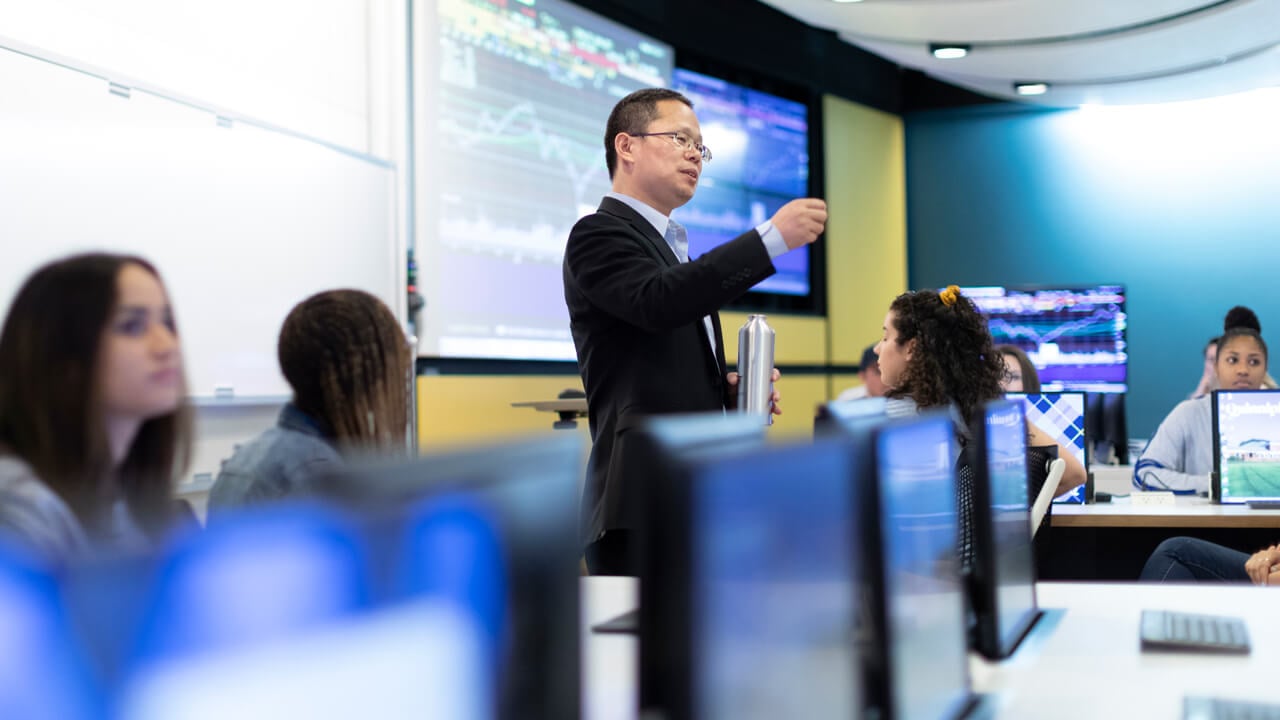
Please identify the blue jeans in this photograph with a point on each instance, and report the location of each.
(1184, 559)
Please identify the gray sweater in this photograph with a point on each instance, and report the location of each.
(35, 517)
(1180, 456)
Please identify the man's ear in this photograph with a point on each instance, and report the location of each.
(623, 146)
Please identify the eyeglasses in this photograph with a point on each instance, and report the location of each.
(682, 141)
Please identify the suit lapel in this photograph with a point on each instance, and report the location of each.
(721, 367)
(656, 243)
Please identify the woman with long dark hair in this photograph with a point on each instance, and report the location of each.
(94, 427)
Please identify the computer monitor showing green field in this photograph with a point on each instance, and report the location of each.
(1246, 440)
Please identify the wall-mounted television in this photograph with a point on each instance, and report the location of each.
(511, 100)
(1075, 335)
(760, 160)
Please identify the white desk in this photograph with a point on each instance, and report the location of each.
(610, 662)
(1088, 665)
(1185, 512)
(1091, 664)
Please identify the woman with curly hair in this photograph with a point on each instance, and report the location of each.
(936, 351)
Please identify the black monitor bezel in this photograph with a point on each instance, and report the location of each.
(665, 630)
(984, 582)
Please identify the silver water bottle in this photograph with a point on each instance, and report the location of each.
(755, 368)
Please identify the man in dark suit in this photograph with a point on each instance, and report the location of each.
(644, 317)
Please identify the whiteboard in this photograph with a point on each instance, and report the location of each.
(241, 222)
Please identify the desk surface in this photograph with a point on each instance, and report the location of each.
(1087, 664)
(1186, 512)
(1091, 664)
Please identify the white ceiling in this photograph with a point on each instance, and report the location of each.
(1113, 52)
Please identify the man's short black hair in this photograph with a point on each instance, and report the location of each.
(870, 361)
(633, 114)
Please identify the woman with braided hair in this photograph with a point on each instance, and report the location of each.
(350, 367)
(937, 351)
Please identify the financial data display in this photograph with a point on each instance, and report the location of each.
(1248, 436)
(760, 161)
(1074, 336)
(512, 97)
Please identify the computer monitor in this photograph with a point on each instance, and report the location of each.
(1246, 445)
(747, 610)
(1002, 580)
(285, 604)
(839, 416)
(1106, 428)
(761, 143)
(918, 613)
(528, 489)
(44, 671)
(1074, 335)
(1061, 416)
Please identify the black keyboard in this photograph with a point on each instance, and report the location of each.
(1206, 708)
(1169, 630)
(1264, 504)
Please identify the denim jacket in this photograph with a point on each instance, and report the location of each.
(279, 463)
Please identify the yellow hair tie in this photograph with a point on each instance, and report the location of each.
(950, 295)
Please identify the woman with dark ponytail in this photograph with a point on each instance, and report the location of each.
(1180, 455)
(936, 351)
(349, 364)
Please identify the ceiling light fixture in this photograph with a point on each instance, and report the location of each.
(1031, 88)
(948, 51)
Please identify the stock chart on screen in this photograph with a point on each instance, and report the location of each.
(760, 147)
(513, 96)
(1074, 336)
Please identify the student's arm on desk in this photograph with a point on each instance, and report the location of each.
(1074, 475)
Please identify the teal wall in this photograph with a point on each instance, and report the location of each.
(1180, 203)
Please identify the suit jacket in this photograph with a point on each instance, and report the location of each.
(636, 314)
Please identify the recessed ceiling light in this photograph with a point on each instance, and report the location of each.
(950, 51)
(1031, 88)
(841, 2)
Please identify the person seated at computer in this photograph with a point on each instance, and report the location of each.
(1238, 316)
(1185, 559)
(1019, 373)
(94, 426)
(348, 362)
(936, 351)
(869, 373)
(1180, 455)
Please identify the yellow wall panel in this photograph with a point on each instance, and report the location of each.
(801, 396)
(799, 339)
(460, 409)
(866, 231)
